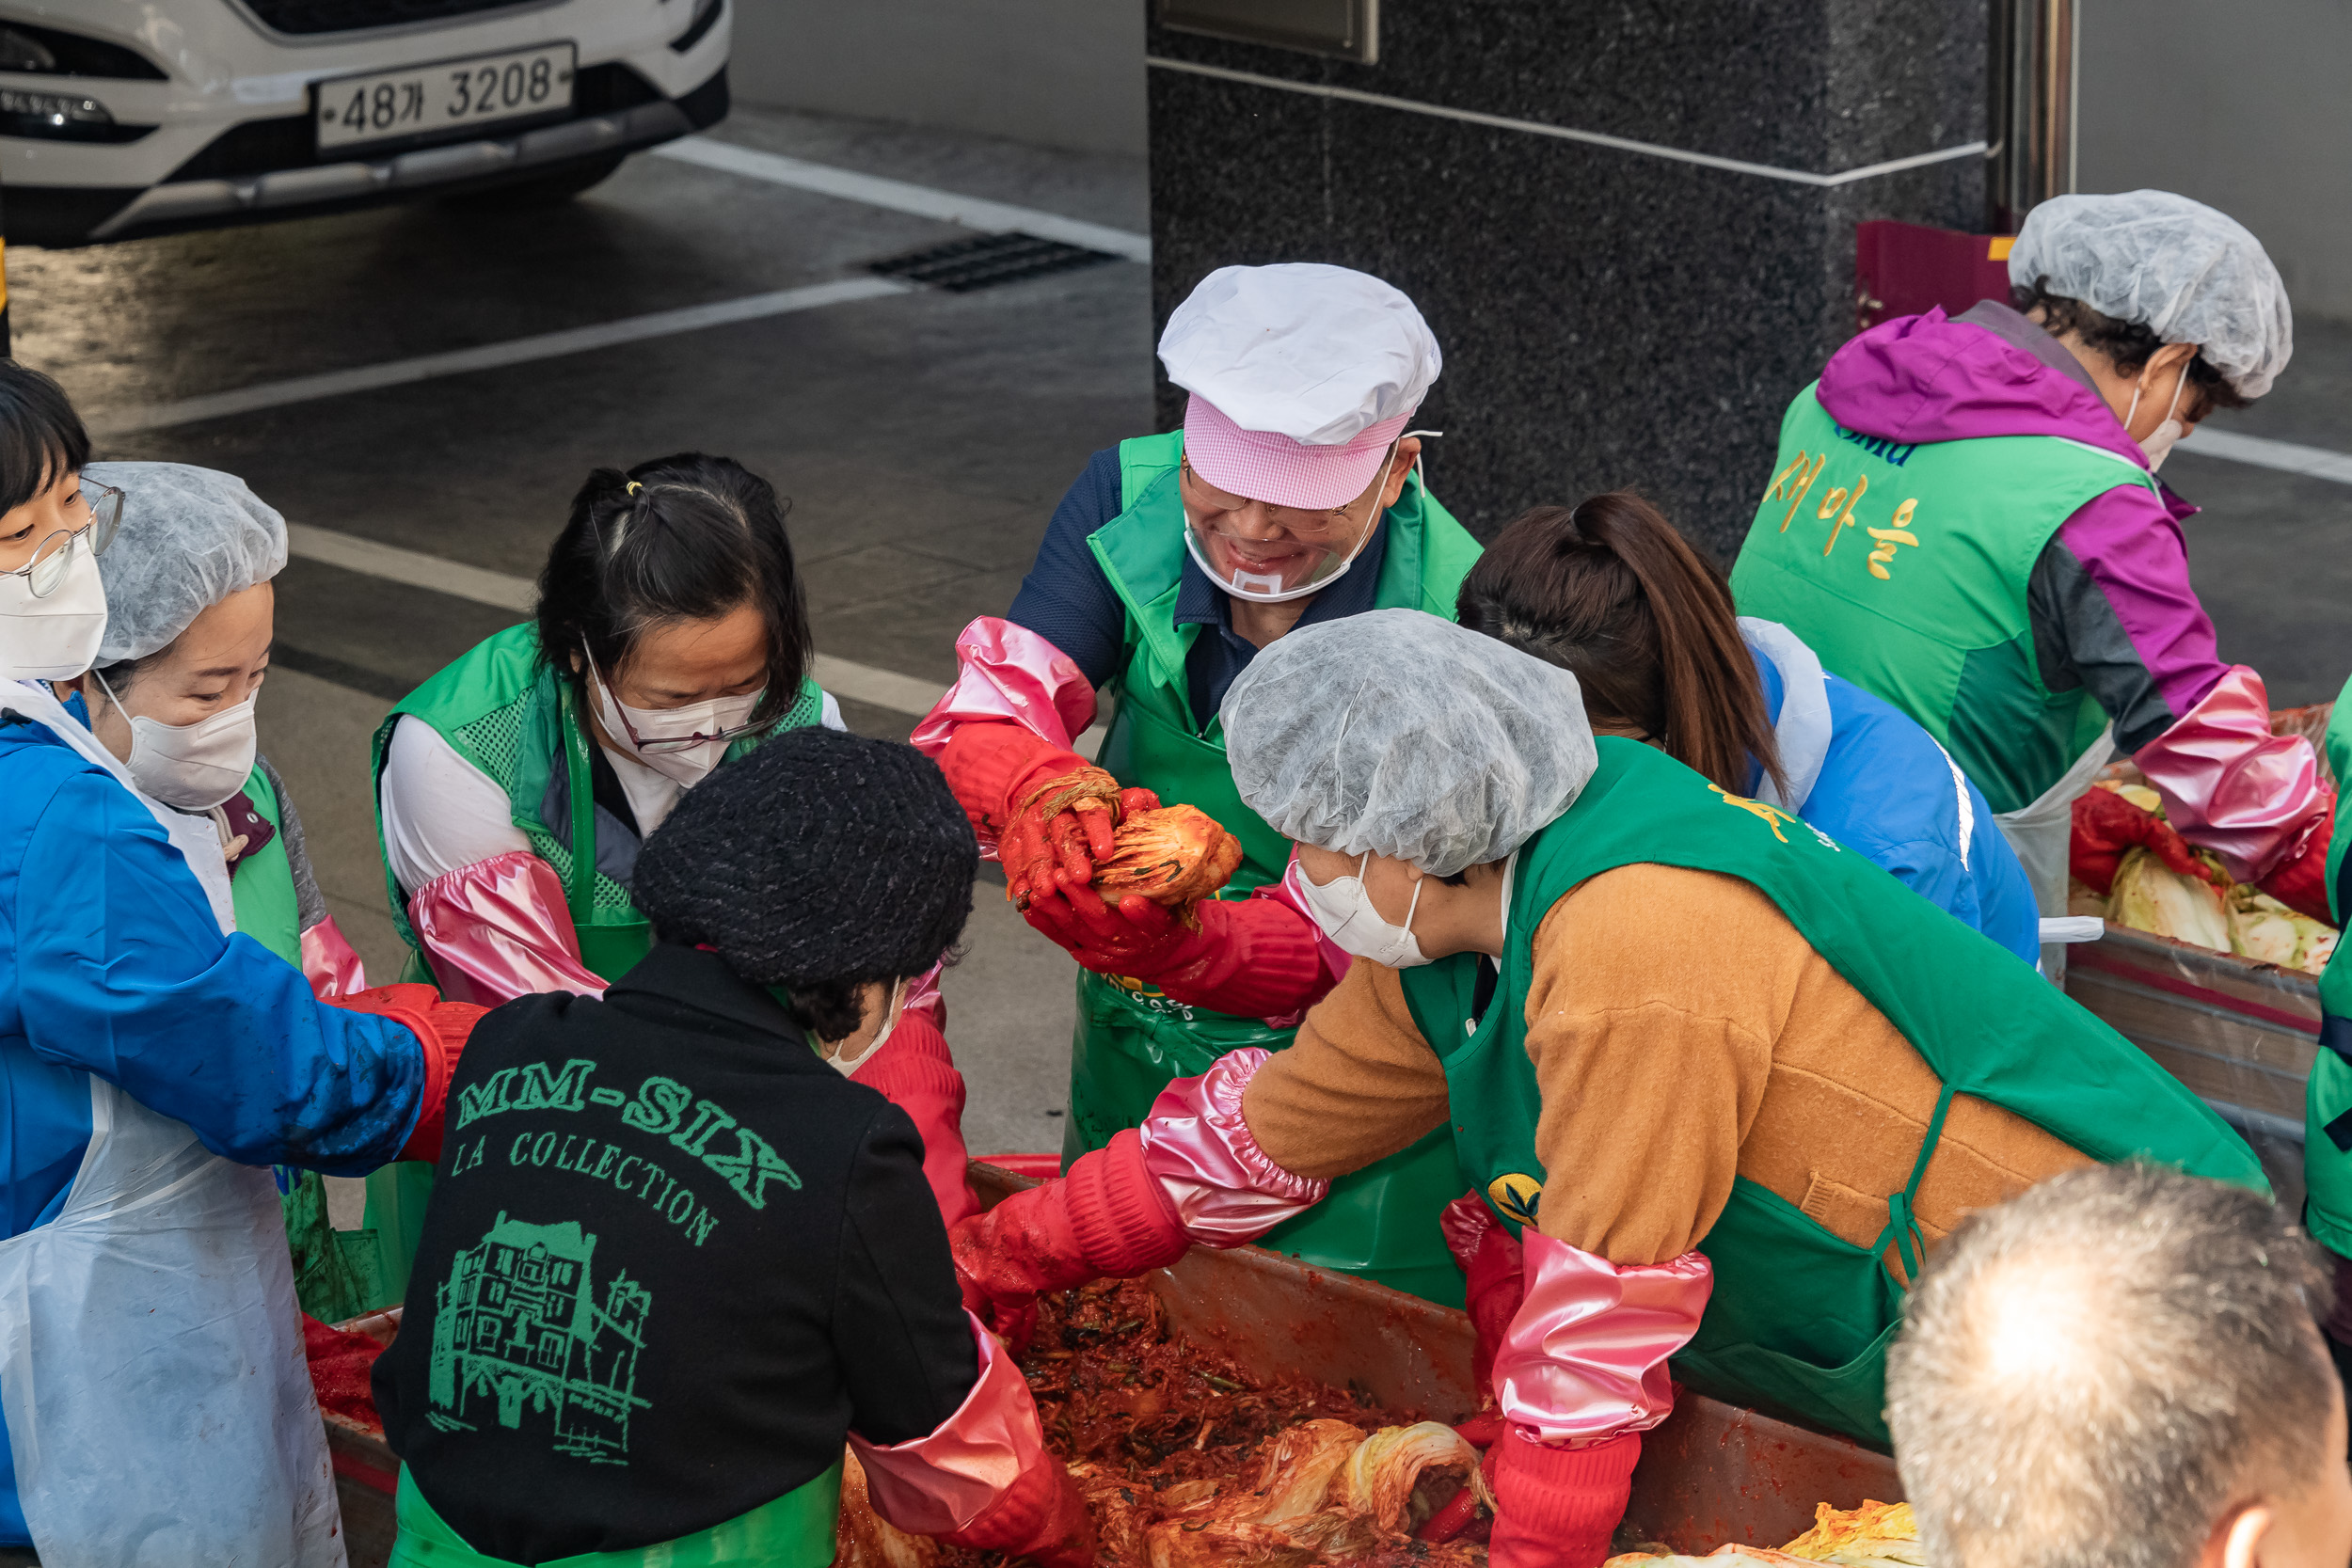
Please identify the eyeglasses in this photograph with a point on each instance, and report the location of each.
(667, 745)
(53, 555)
(1307, 525)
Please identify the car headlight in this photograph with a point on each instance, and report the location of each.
(48, 51)
(61, 116)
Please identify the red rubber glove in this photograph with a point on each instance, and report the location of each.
(1040, 1518)
(2299, 881)
(2106, 825)
(1106, 1218)
(1006, 778)
(1497, 1268)
(914, 1071)
(1557, 1508)
(1253, 958)
(442, 1028)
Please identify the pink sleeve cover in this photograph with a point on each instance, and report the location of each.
(1200, 1153)
(500, 928)
(938, 1483)
(1585, 1357)
(1006, 671)
(329, 963)
(2232, 787)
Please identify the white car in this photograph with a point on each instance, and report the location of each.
(126, 118)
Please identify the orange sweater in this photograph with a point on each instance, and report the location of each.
(1683, 1034)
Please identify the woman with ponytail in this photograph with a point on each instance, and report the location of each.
(515, 788)
(1608, 591)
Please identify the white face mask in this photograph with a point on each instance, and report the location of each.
(53, 638)
(191, 767)
(1344, 910)
(2159, 442)
(847, 1064)
(1270, 587)
(635, 729)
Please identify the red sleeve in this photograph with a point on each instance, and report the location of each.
(915, 1071)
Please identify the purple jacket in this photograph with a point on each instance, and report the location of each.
(2110, 600)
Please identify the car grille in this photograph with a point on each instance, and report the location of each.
(351, 16)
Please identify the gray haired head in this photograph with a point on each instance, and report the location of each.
(190, 537)
(1399, 733)
(2091, 1375)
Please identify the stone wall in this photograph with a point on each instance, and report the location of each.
(1609, 317)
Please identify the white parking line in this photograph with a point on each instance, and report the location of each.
(514, 351)
(2262, 452)
(972, 211)
(860, 682)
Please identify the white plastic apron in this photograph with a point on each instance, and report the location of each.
(152, 1373)
(2041, 833)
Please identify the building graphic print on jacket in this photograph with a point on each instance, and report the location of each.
(519, 1322)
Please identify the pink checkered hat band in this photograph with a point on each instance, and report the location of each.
(1259, 465)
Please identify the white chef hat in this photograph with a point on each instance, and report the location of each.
(1302, 374)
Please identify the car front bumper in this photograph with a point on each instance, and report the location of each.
(214, 160)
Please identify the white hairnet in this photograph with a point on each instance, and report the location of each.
(190, 537)
(2188, 274)
(1406, 736)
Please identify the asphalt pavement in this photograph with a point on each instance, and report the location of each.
(440, 379)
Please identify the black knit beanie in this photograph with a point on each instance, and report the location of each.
(819, 859)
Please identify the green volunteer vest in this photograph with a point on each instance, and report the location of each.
(1800, 1319)
(795, 1530)
(1131, 1039)
(506, 712)
(1905, 567)
(2328, 1095)
(262, 888)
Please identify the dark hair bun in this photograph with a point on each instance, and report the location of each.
(820, 860)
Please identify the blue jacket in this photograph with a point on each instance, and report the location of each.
(1888, 790)
(111, 963)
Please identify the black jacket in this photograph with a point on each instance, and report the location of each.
(672, 1258)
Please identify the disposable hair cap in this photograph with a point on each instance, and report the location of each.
(2187, 273)
(190, 537)
(1403, 735)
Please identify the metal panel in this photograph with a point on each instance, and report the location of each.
(1348, 29)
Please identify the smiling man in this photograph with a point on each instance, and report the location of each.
(1291, 497)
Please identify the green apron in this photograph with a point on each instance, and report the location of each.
(1925, 605)
(503, 709)
(795, 1530)
(2327, 1095)
(1800, 1319)
(1132, 1041)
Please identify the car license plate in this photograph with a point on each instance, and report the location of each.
(389, 105)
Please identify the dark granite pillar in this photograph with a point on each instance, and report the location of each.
(1609, 316)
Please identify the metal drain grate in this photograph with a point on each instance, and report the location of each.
(988, 261)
